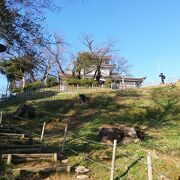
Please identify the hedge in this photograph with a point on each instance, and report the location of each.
(81, 82)
(33, 85)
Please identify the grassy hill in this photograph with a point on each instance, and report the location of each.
(154, 109)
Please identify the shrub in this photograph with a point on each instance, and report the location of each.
(15, 89)
(33, 85)
(81, 82)
(52, 81)
(72, 81)
(108, 83)
(87, 82)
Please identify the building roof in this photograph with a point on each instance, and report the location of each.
(132, 79)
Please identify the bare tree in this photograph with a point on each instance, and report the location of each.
(72, 64)
(100, 53)
(57, 51)
(47, 65)
(122, 66)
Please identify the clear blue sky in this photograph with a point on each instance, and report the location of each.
(146, 31)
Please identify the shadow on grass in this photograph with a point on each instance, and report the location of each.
(156, 115)
(106, 109)
(128, 168)
(131, 93)
(20, 99)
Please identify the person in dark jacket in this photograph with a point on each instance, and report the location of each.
(162, 76)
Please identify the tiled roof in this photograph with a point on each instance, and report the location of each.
(132, 79)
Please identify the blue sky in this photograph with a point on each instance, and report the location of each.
(146, 31)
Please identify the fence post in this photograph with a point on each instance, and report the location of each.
(1, 115)
(149, 166)
(111, 86)
(23, 136)
(42, 133)
(113, 160)
(55, 157)
(9, 158)
(64, 140)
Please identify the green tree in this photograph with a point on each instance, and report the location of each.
(16, 69)
(84, 61)
(21, 24)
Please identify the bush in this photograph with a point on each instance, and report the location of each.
(52, 81)
(33, 85)
(81, 82)
(72, 81)
(15, 89)
(108, 83)
(87, 82)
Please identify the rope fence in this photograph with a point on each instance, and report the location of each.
(90, 141)
(144, 162)
(113, 168)
(100, 164)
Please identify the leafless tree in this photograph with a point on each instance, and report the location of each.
(99, 53)
(57, 50)
(122, 66)
(47, 64)
(72, 64)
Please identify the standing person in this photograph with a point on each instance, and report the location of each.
(162, 76)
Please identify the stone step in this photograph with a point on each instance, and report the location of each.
(13, 135)
(31, 157)
(22, 150)
(20, 146)
(9, 131)
(15, 141)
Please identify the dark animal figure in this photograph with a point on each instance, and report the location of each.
(82, 98)
(25, 110)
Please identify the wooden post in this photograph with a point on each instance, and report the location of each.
(42, 134)
(1, 115)
(149, 166)
(9, 158)
(113, 160)
(23, 136)
(69, 168)
(55, 157)
(77, 88)
(64, 140)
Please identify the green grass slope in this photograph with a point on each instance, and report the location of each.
(155, 109)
